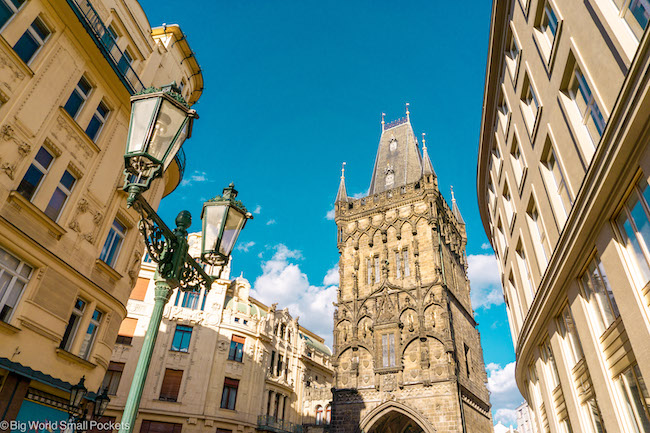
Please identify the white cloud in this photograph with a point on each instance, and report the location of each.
(361, 194)
(282, 281)
(257, 209)
(330, 214)
(197, 176)
(270, 222)
(504, 394)
(483, 273)
(486, 246)
(332, 277)
(245, 246)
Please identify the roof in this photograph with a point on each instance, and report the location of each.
(316, 345)
(398, 161)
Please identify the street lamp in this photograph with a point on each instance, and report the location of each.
(161, 120)
(77, 393)
(101, 402)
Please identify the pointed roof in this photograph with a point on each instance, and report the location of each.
(454, 208)
(342, 195)
(398, 161)
(427, 167)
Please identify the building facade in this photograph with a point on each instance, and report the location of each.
(563, 171)
(223, 362)
(407, 354)
(69, 249)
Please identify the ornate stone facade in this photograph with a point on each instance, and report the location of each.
(406, 349)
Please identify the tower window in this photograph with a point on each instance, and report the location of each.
(388, 350)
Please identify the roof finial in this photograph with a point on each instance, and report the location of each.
(408, 117)
(424, 141)
(343, 170)
(383, 122)
(453, 199)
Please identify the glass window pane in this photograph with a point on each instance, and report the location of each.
(41, 29)
(5, 13)
(641, 11)
(44, 158)
(26, 47)
(56, 203)
(93, 127)
(74, 104)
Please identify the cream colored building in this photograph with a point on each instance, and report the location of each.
(563, 171)
(69, 249)
(223, 362)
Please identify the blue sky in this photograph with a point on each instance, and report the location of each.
(293, 89)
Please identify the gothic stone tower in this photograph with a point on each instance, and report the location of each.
(407, 355)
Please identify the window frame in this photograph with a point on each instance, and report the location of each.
(11, 285)
(72, 328)
(33, 33)
(12, 7)
(65, 191)
(229, 393)
(597, 311)
(83, 96)
(183, 331)
(562, 205)
(112, 378)
(570, 340)
(101, 119)
(635, 249)
(88, 342)
(530, 106)
(632, 23)
(236, 351)
(116, 253)
(43, 170)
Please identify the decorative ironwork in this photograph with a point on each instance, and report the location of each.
(163, 244)
(273, 424)
(395, 123)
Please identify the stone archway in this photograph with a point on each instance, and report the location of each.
(395, 417)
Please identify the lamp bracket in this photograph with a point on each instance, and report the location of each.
(165, 247)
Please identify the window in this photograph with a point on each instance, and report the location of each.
(634, 394)
(35, 173)
(524, 270)
(113, 243)
(319, 414)
(278, 367)
(636, 13)
(60, 196)
(501, 238)
(515, 309)
(508, 205)
(548, 25)
(556, 183)
(534, 381)
(125, 62)
(110, 37)
(634, 226)
(126, 331)
(388, 350)
(503, 112)
(14, 275)
(161, 427)
(512, 54)
(540, 239)
(171, 384)
(90, 335)
(407, 267)
(491, 194)
(377, 270)
(73, 324)
(589, 113)
(112, 377)
(467, 359)
(599, 296)
(97, 122)
(236, 348)
(229, 394)
(32, 40)
(7, 10)
(369, 271)
(328, 414)
(190, 300)
(529, 105)
(517, 160)
(182, 337)
(496, 160)
(593, 414)
(569, 334)
(272, 361)
(398, 264)
(549, 362)
(78, 97)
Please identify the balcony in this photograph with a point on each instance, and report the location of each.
(270, 423)
(97, 30)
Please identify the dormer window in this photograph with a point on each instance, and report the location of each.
(393, 144)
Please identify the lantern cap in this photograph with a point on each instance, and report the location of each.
(171, 90)
(229, 194)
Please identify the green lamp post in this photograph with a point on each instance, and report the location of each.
(160, 122)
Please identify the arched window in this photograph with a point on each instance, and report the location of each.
(328, 414)
(319, 414)
(283, 327)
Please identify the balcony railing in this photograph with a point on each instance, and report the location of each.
(271, 423)
(104, 40)
(180, 160)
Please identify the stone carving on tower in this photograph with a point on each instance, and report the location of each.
(407, 353)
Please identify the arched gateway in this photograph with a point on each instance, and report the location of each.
(395, 417)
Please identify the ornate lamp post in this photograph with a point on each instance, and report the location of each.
(161, 120)
(77, 393)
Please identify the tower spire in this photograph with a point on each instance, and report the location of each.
(427, 167)
(342, 194)
(454, 208)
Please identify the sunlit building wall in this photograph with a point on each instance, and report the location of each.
(563, 173)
